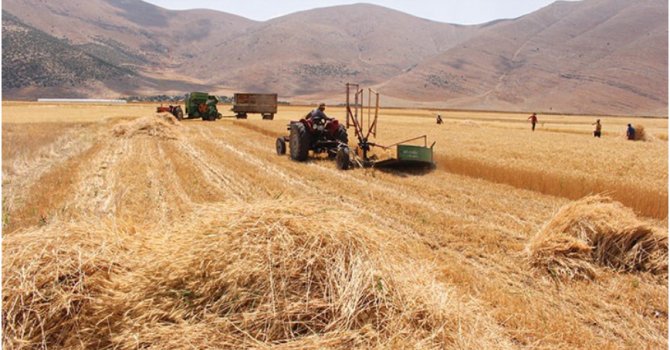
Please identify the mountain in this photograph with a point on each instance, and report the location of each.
(317, 51)
(155, 34)
(32, 58)
(600, 56)
(592, 56)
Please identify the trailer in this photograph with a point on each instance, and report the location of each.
(245, 103)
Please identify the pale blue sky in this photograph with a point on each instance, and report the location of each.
(450, 11)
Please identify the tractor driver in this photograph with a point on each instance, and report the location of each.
(317, 115)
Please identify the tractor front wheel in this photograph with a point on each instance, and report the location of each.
(281, 146)
(299, 141)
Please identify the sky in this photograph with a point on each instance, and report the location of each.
(449, 11)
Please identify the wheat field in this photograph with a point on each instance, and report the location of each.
(124, 229)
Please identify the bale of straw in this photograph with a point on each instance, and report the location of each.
(294, 276)
(51, 275)
(291, 275)
(163, 126)
(640, 134)
(169, 118)
(597, 232)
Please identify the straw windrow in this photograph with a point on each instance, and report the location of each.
(51, 275)
(596, 231)
(259, 275)
(163, 126)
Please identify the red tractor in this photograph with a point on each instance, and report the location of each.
(319, 135)
(176, 111)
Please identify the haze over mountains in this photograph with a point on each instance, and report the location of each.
(592, 56)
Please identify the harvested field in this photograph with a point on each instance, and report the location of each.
(123, 229)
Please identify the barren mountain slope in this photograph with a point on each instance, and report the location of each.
(316, 51)
(607, 56)
(32, 58)
(156, 34)
(592, 56)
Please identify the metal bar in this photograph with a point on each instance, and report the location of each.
(348, 109)
(369, 106)
(374, 130)
(376, 113)
(373, 126)
(359, 106)
(425, 141)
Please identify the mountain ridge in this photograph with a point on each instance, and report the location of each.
(593, 56)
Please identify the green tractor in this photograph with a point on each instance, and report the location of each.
(201, 105)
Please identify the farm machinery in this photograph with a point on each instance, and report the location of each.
(331, 137)
(201, 105)
(264, 104)
(176, 111)
(319, 135)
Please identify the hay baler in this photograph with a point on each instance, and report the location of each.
(201, 105)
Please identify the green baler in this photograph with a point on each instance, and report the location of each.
(201, 105)
(410, 155)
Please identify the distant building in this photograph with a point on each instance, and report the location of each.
(80, 100)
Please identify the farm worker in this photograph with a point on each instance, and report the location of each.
(599, 127)
(533, 120)
(630, 132)
(439, 119)
(317, 115)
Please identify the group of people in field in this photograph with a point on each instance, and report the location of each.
(597, 132)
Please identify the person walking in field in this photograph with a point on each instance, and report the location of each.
(439, 119)
(533, 121)
(630, 132)
(599, 127)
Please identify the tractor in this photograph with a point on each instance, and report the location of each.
(176, 111)
(201, 105)
(321, 135)
(318, 135)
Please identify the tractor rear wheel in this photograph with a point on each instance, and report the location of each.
(342, 160)
(342, 135)
(281, 146)
(299, 141)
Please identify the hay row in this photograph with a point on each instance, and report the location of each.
(597, 232)
(163, 126)
(294, 275)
